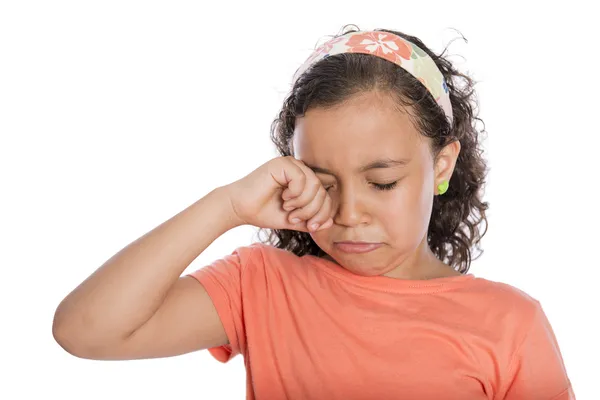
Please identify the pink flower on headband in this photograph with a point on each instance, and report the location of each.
(324, 49)
(381, 44)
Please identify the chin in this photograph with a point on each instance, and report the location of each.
(365, 273)
(359, 264)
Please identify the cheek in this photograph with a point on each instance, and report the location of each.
(406, 211)
(398, 215)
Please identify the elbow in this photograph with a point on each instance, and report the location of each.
(71, 338)
(76, 344)
(83, 342)
(65, 338)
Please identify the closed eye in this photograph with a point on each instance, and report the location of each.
(385, 186)
(378, 186)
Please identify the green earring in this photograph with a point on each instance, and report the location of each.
(442, 187)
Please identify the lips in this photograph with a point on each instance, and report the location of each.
(354, 242)
(357, 247)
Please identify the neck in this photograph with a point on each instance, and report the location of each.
(422, 264)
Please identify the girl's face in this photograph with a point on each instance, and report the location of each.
(389, 203)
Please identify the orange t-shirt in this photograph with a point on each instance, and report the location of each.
(310, 329)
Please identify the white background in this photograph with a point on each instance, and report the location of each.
(116, 115)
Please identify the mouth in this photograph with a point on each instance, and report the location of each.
(357, 247)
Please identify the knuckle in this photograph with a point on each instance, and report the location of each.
(308, 195)
(316, 210)
(302, 179)
(308, 210)
(305, 212)
(317, 185)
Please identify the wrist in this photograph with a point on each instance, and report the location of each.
(224, 193)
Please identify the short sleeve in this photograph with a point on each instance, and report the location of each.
(537, 370)
(222, 280)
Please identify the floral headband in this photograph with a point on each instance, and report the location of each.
(392, 48)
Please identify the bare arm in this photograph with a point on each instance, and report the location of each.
(137, 305)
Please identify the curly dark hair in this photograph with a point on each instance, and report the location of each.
(454, 226)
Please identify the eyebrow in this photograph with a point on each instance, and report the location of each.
(380, 163)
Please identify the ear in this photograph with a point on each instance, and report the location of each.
(445, 163)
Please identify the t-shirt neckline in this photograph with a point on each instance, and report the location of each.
(386, 283)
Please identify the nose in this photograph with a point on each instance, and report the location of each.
(350, 209)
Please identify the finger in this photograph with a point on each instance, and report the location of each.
(311, 209)
(323, 218)
(299, 226)
(325, 213)
(312, 185)
(290, 176)
(310, 192)
(296, 186)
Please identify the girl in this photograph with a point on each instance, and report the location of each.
(361, 289)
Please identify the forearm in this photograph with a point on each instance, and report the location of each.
(127, 289)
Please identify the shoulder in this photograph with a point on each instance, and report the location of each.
(265, 252)
(265, 257)
(254, 253)
(496, 289)
(503, 303)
